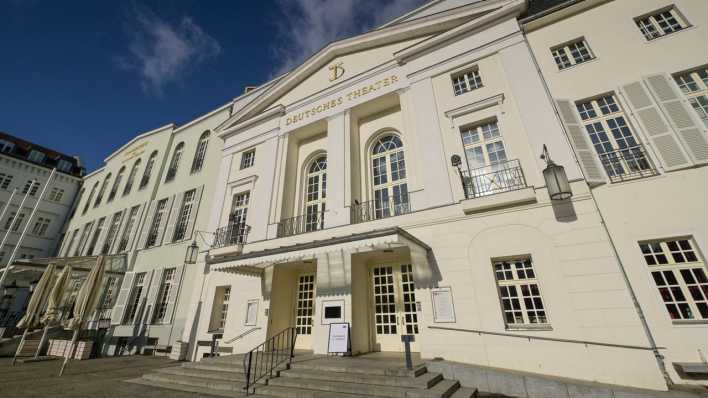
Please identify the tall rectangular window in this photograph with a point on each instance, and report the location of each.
(40, 226)
(248, 158)
(32, 186)
(84, 238)
(694, 85)
(519, 293)
(18, 222)
(71, 242)
(97, 233)
(661, 23)
(164, 295)
(135, 296)
(679, 273)
(128, 230)
(251, 312)
(55, 195)
(112, 233)
(183, 216)
(5, 180)
(466, 81)
(156, 223)
(571, 53)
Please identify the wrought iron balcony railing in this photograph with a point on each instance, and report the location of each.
(628, 164)
(309, 222)
(377, 209)
(230, 235)
(492, 179)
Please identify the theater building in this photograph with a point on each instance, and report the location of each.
(394, 181)
(633, 96)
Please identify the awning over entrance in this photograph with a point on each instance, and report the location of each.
(333, 257)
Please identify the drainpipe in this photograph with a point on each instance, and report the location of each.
(637, 306)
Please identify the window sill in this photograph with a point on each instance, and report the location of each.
(571, 67)
(689, 322)
(530, 328)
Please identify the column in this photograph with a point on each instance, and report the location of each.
(338, 170)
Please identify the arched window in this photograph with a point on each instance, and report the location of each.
(116, 184)
(389, 177)
(174, 164)
(148, 170)
(316, 194)
(102, 191)
(131, 177)
(200, 153)
(90, 198)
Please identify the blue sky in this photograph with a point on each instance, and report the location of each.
(84, 77)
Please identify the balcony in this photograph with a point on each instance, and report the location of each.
(496, 185)
(301, 224)
(378, 209)
(233, 234)
(628, 164)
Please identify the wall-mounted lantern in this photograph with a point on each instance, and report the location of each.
(556, 179)
(456, 161)
(192, 253)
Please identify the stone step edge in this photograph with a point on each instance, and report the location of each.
(341, 387)
(272, 391)
(204, 373)
(419, 382)
(192, 389)
(197, 382)
(399, 372)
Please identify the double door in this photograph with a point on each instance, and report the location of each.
(394, 307)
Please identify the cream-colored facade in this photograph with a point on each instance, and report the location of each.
(494, 273)
(659, 200)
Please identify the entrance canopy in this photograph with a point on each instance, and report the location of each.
(333, 257)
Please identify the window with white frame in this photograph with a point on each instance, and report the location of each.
(31, 186)
(466, 81)
(131, 177)
(239, 208)
(90, 197)
(109, 294)
(483, 144)
(40, 226)
(128, 230)
(6, 146)
(14, 226)
(661, 23)
(184, 214)
(5, 180)
(316, 194)
(248, 158)
(520, 295)
(64, 165)
(102, 191)
(619, 150)
(572, 53)
(84, 238)
(694, 85)
(251, 313)
(390, 182)
(71, 243)
(148, 170)
(36, 156)
(679, 273)
(135, 296)
(116, 184)
(96, 234)
(112, 233)
(154, 230)
(56, 194)
(222, 297)
(163, 296)
(200, 153)
(174, 164)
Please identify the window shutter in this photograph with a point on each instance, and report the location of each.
(172, 299)
(587, 157)
(657, 129)
(117, 235)
(136, 225)
(152, 294)
(118, 311)
(194, 213)
(165, 218)
(682, 118)
(146, 224)
(174, 215)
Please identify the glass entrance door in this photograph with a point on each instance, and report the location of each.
(393, 306)
(304, 308)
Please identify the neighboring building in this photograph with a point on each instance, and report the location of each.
(25, 167)
(633, 92)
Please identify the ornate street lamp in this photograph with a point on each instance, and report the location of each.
(556, 179)
(192, 253)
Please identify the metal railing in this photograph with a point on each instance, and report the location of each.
(309, 222)
(242, 335)
(628, 164)
(492, 179)
(377, 209)
(230, 235)
(268, 356)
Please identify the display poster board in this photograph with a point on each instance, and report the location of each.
(332, 312)
(339, 339)
(443, 307)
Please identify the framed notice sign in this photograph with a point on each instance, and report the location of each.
(443, 308)
(339, 339)
(332, 312)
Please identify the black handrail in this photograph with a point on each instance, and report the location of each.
(494, 178)
(312, 221)
(268, 356)
(377, 209)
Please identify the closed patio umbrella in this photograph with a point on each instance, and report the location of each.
(54, 304)
(86, 302)
(39, 297)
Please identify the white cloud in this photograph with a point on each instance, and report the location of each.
(305, 26)
(162, 52)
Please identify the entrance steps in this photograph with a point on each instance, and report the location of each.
(309, 376)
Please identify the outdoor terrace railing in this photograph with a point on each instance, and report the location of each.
(377, 209)
(301, 224)
(230, 235)
(493, 179)
(628, 164)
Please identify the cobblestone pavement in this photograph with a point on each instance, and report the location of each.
(95, 378)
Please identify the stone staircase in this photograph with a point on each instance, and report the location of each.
(309, 376)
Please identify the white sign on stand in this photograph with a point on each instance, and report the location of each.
(339, 341)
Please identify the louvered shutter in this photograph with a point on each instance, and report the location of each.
(172, 299)
(116, 236)
(174, 216)
(688, 128)
(136, 225)
(195, 211)
(118, 311)
(587, 157)
(163, 221)
(152, 294)
(146, 224)
(663, 140)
